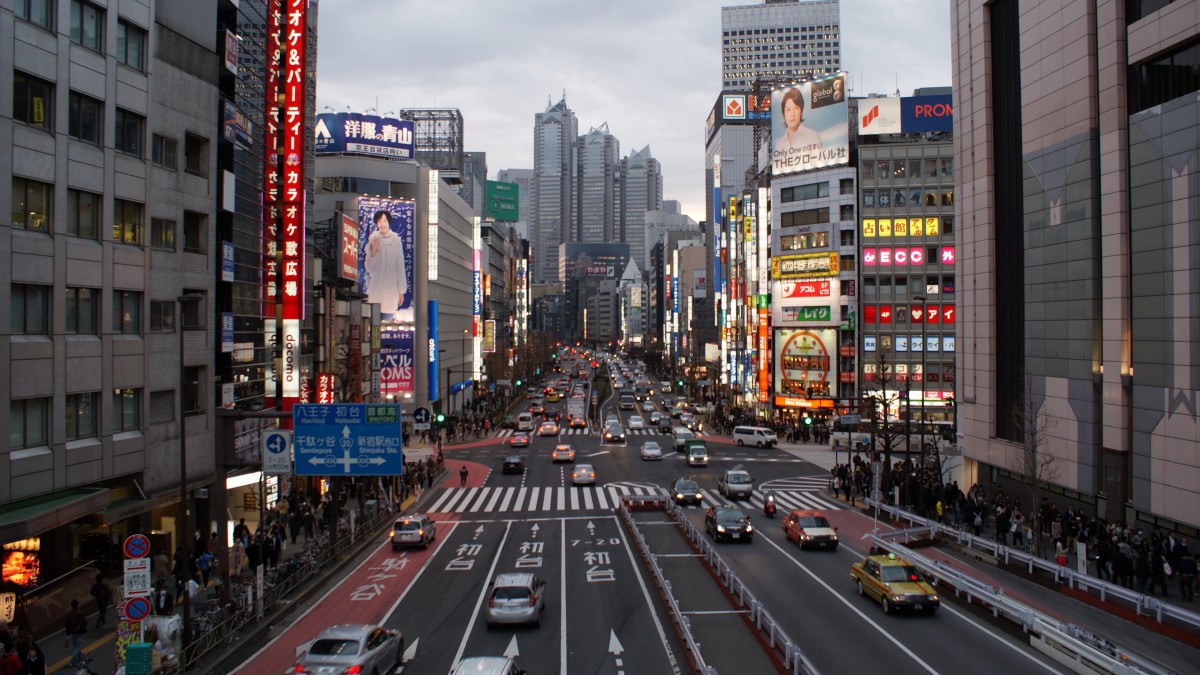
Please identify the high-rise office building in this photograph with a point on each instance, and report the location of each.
(1076, 214)
(596, 185)
(779, 39)
(555, 132)
(641, 191)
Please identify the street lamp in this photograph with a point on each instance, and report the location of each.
(184, 300)
(462, 394)
(924, 347)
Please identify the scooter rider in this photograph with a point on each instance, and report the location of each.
(769, 505)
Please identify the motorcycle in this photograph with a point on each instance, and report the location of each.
(769, 506)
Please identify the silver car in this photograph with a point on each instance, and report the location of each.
(516, 597)
(488, 665)
(415, 530)
(361, 647)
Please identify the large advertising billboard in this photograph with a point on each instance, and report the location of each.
(805, 360)
(363, 134)
(806, 302)
(809, 126)
(908, 115)
(385, 259)
(397, 360)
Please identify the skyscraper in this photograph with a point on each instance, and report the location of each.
(554, 136)
(779, 39)
(641, 191)
(596, 187)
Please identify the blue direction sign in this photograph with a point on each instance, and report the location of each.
(421, 415)
(349, 439)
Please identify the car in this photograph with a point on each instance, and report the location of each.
(417, 529)
(655, 417)
(664, 425)
(488, 665)
(516, 597)
(537, 409)
(519, 439)
(809, 529)
(651, 450)
(894, 582)
(562, 453)
(553, 397)
(723, 522)
(548, 428)
(647, 406)
(611, 420)
(614, 434)
(735, 483)
(513, 464)
(686, 491)
(697, 454)
(577, 422)
(583, 474)
(636, 422)
(352, 648)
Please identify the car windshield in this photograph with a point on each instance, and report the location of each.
(738, 478)
(334, 647)
(510, 593)
(409, 525)
(813, 521)
(730, 515)
(686, 486)
(901, 573)
(695, 450)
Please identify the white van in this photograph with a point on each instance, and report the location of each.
(525, 421)
(682, 436)
(758, 436)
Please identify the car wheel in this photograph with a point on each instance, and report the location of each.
(887, 606)
(424, 544)
(537, 622)
(858, 583)
(740, 442)
(400, 654)
(760, 444)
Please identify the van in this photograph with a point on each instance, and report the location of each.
(627, 402)
(682, 436)
(697, 452)
(758, 436)
(525, 421)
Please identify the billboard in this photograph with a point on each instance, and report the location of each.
(804, 362)
(804, 266)
(809, 126)
(385, 256)
(348, 260)
(397, 360)
(363, 134)
(503, 201)
(488, 344)
(908, 115)
(699, 284)
(807, 302)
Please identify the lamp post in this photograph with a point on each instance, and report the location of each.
(462, 393)
(924, 347)
(183, 301)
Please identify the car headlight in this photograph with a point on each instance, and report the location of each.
(749, 528)
(699, 496)
(933, 598)
(897, 598)
(834, 537)
(720, 528)
(678, 495)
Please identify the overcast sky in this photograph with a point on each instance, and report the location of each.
(651, 69)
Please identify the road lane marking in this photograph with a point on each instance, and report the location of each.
(483, 592)
(496, 497)
(479, 499)
(601, 500)
(562, 581)
(508, 495)
(995, 636)
(637, 572)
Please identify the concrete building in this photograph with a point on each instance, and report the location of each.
(597, 181)
(552, 211)
(641, 193)
(524, 180)
(779, 39)
(1075, 189)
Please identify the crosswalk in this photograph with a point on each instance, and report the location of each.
(602, 498)
(566, 431)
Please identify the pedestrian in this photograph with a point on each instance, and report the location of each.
(205, 563)
(103, 595)
(1186, 571)
(1017, 528)
(1160, 569)
(462, 476)
(161, 565)
(33, 660)
(75, 627)
(10, 663)
(164, 602)
(1060, 551)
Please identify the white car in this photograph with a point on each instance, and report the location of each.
(647, 406)
(655, 417)
(636, 422)
(611, 420)
(651, 451)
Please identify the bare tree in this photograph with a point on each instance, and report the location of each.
(887, 432)
(1032, 462)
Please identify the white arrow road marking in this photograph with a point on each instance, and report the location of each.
(614, 645)
(534, 530)
(512, 652)
(411, 652)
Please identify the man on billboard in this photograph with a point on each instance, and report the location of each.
(797, 137)
(810, 126)
(386, 265)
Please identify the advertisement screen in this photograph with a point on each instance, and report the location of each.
(396, 361)
(809, 126)
(363, 134)
(804, 362)
(385, 259)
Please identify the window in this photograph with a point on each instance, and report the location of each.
(899, 199)
(804, 242)
(162, 234)
(162, 316)
(195, 155)
(898, 169)
(40, 12)
(806, 217)
(30, 311)
(846, 213)
(868, 199)
(947, 167)
(883, 169)
(193, 390)
(127, 312)
(885, 199)
(846, 186)
(31, 204)
(948, 225)
(195, 228)
(162, 407)
(914, 168)
(127, 410)
(948, 198)
(846, 262)
(83, 311)
(931, 199)
(130, 130)
(131, 45)
(87, 25)
(1166, 78)
(127, 222)
(33, 101)
(931, 168)
(192, 313)
(82, 415)
(802, 192)
(83, 214)
(85, 118)
(28, 423)
(164, 152)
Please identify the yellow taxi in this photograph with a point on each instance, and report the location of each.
(895, 583)
(553, 396)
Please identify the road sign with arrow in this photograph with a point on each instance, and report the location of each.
(349, 439)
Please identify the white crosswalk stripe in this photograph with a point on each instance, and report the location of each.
(604, 498)
(567, 431)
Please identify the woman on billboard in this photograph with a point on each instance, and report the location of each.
(385, 264)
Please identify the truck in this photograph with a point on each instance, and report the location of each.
(576, 408)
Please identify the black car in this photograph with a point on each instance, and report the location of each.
(514, 464)
(686, 491)
(728, 524)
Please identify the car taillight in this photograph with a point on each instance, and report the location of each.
(392, 533)
(491, 601)
(533, 600)
(300, 669)
(352, 670)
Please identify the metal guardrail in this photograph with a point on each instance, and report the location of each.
(1067, 641)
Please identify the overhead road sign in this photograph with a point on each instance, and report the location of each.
(348, 439)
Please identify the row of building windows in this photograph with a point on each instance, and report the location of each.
(33, 104)
(785, 30)
(931, 286)
(30, 312)
(1168, 77)
(33, 209)
(30, 418)
(798, 193)
(903, 169)
(887, 198)
(86, 28)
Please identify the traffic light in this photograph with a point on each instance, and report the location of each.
(680, 383)
(440, 419)
(808, 420)
(518, 382)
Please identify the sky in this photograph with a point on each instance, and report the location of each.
(651, 69)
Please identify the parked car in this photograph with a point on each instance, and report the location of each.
(417, 529)
(516, 597)
(352, 648)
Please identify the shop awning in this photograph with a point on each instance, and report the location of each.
(125, 508)
(31, 517)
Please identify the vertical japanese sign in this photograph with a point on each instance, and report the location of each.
(292, 127)
(431, 265)
(764, 355)
(271, 162)
(432, 327)
(348, 269)
(385, 261)
(326, 387)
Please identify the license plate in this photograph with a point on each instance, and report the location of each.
(737, 535)
(918, 606)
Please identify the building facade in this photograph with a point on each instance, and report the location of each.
(779, 39)
(597, 182)
(552, 211)
(641, 193)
